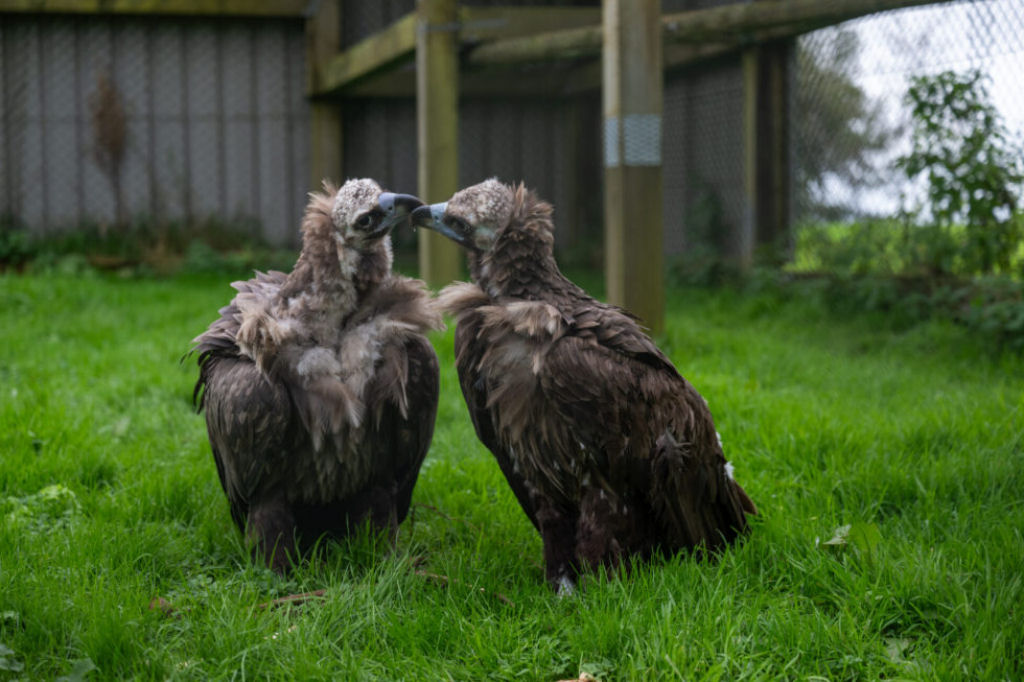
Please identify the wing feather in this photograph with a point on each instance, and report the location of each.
(469, 350)
(249, 421)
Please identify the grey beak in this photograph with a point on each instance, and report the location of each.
(432, 218)
(397, 208)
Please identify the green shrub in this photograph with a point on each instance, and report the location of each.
(973, 172)
(15, 246)
(144, 246)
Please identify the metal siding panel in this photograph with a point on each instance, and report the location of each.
(58, 80)
(352, 138)
(559, 168)
(674, 158)
(300, 187)
(95, 50)
(473, 162)
(536, 149)
(365, 133)
(32, 149)
(169, 148)
(502, 139)
(717, 98)
(240, 126)
(203, 125)
(402, 161)
(6, 133)
(298, 128)
(131, 80)
(402, 148)
(272, 145)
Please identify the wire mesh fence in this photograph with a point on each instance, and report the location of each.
(216, 122)
(851, 119)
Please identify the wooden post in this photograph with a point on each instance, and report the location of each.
(633, 88)
(767, 183)
(323, 40)
(437, 104)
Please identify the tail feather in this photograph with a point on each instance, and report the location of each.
(699, 504)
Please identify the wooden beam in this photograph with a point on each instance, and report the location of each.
(731, 24)
(382, 49)
(437, 108)
(568, 44)
(793, 17)
(633, 98)
(224, 8)
(478, 24)
(498, 82)
(766, 158)
(323, 38)
(350, 70)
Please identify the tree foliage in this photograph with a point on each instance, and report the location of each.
(838, 126)
(974, 174)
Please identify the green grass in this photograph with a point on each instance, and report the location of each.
(910, 435)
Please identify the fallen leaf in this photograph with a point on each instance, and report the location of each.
(839, 536)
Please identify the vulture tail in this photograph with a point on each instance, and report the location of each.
(695, 497)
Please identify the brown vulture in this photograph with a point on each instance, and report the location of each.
(319, 385)
(611, 453)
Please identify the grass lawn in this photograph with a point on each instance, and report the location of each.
(912, 437)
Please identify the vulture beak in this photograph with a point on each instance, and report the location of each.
(432, 218)
(397, 208)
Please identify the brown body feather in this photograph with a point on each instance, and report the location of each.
(320, 392)
(609, 450)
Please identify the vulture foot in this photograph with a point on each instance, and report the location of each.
(271, 535)
(558, 532)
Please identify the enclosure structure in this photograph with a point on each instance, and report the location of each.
(236, 109)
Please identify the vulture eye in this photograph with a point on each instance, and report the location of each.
(458, 224)
(366, 220)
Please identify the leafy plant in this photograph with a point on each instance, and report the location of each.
(973, 172)
(15, 246)
(53, 506)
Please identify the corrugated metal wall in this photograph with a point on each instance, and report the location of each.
(216, 121)
(217, 126)
(511, 139)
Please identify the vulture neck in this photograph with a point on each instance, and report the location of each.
(521, 263)
(331, 278)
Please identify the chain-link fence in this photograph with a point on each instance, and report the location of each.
(851, 121)
(215, 122)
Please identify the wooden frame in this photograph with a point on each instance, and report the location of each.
(221, 8)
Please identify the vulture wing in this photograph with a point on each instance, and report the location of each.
(249, 420)
(469, 351)
(404, 394)
(643, 425)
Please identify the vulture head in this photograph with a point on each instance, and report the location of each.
(506, 230)
(363, 213)
(473, 217)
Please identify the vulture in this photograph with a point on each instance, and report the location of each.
(319, 386)
(610, 452)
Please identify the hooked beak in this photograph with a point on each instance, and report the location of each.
(432, 218)
(397, 209)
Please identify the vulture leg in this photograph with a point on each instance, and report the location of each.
(611, 529)
(271, 533)
(383, 514)
(558, 532)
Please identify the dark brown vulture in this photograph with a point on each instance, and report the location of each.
(610, 452)
(319, 385)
